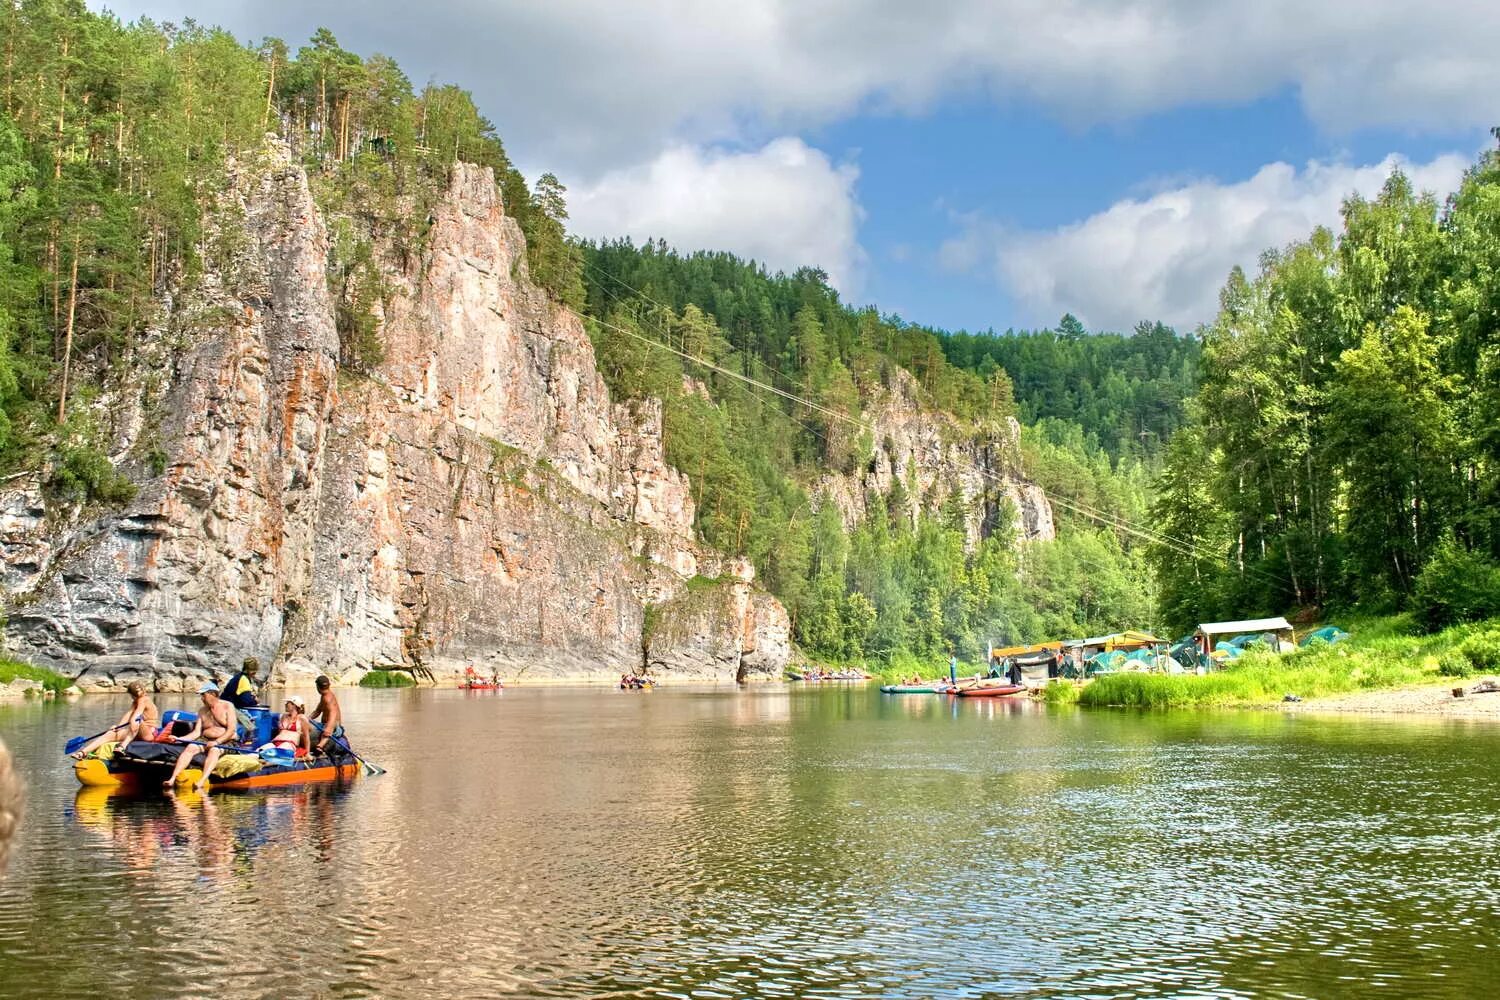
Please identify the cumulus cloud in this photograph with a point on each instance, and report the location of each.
(584, 83)
(1166, 256)
(785, 204)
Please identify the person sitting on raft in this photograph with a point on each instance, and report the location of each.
(214, 727)
(327, 719)
(240, 692)
(293, 731)
(140, 722)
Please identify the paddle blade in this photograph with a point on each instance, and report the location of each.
(75, 744)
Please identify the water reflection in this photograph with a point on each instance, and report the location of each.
(216, 836)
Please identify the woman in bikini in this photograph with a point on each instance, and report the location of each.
(140, 722)
(293, 732)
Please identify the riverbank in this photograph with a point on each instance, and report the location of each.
(1428, 699)
(22, 680)
(1385, 666)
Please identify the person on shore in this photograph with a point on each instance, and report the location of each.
(140, 722)
(953, 669)
(214, 727)
(293, 731)
(327, 719)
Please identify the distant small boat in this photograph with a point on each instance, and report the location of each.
(847, 675)
(991, 691)
(482, 685)
(935, 687)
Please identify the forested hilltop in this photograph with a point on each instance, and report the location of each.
(1344, 448)
(902, 578)
(1338, 449)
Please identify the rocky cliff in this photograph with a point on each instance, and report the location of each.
(933, 460)
(477, 500)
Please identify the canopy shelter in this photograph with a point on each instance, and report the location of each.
(1209, 633)
(1000, 652)
(1132, 640)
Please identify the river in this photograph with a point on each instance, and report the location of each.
(824, 842)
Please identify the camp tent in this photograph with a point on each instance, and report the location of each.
(1210, 633)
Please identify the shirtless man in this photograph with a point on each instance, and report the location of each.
(215, 727)
(140, 721)
(327, 718)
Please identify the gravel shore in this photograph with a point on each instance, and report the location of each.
(1429, 699)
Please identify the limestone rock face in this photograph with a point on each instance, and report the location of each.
(479, 501)
(932, 456)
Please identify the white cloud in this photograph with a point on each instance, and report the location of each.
(785, 205)
(1166, 256)
(582, 84)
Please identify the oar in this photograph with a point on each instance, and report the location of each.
(370, 769)
(264, 752)
(77, 743)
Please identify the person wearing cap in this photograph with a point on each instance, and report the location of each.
(293, 730)
(327, 719)
(240, 692)
(213, 728)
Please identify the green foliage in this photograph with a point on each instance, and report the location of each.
(15, 669)
(356, 287)
(1455, 586)
(1482, 651)
(1127, 394)
(114, 144)
(1343, 447)
(82, 473)
(387, 679)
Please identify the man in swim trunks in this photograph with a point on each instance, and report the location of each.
(215, 727)
(327, 719)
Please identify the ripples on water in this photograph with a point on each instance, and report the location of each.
(817, 843)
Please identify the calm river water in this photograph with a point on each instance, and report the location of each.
(782, 843)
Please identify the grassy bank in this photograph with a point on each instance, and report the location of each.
(12, 669)
(387, 679)
(1382, 653)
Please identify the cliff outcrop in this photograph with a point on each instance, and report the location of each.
(478, 499)
(933, 462)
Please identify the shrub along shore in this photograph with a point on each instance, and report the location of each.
(1382, 654)
(14, 670)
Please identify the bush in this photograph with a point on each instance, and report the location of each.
(387, 679)
(1455, 586)
(84, 473)
(1481, 651)
(1455, 664)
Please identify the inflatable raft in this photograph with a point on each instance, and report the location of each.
(142, 765)
(991, 691)
(936, 687)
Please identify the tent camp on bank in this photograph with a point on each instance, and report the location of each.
(1218, 641)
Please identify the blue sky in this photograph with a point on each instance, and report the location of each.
(964, 163)
(1025, 169)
